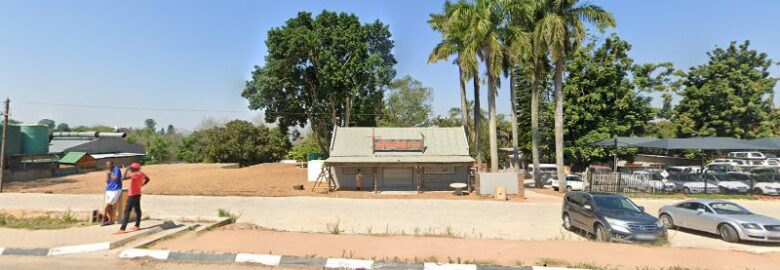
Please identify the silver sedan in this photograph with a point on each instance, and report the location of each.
(727, 219)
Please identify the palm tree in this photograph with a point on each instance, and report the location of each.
(451, 44)
(561, 29)
(517, 44)
(484, 20)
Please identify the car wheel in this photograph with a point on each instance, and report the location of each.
(728, 233)
(555, 188)
(723, 190)
(758, 191)
(568, 188)
(667, 221)
(567, 222)
(602, 235)
(687, 190)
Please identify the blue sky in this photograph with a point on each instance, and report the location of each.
(197, 54)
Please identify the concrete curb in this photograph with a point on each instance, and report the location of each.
(330, 263)
(75, 249)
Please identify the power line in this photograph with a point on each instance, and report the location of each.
(174, 109)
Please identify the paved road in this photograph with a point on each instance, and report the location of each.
(538, 218)
(69, 263)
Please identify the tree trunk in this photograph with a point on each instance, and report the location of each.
(477, 128)
(535, 129)
(348, 111)
(464, 105)
(515, 140)
(559, 69)
(492, 118)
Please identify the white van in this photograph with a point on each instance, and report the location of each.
(747, 155)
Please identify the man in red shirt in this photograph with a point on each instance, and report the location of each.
(137, 180)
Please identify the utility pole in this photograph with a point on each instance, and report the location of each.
(5, 141)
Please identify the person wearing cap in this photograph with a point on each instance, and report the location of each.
(137, 180)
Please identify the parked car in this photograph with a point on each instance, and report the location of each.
(732, 162)
(573, 183)
(727, 219)
(729, 182)
(692, 183)
(773, 162)
(610, 217)
(747, 155)
(647, 180)
(766, 181)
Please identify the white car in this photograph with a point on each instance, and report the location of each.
(729, 182)
(647, 180)
(766, 181)
(733, 162)
(747, 155)
(573, 183)
(692, 183)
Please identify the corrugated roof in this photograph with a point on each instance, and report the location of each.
(60, 146)
(72, 157)
(442, 145)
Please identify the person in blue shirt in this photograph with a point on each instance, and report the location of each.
(113, 191)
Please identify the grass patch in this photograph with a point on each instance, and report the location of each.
(224, 213)
(333, 227)
(592, 266)
(49, 222)
(552, 262)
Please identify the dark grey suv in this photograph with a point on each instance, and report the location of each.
(610, 217)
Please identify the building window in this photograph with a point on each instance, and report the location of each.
(440, 170)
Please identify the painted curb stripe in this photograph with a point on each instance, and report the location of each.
(271, 260)
(554, 268)
(349, 264)
(207, 257)
(397, 266)
(144, 253)
(79, 248)
(26, 251)
(1, 250)
(293, 260)
(449, 266)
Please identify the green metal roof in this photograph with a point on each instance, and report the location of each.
(72, 157)
(441, 145)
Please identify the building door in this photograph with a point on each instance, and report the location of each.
(397, 177)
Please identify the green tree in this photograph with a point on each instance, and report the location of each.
(193, 147)
(729, 96)
(562, 29)
(408, 105)
(452, 44)
(157, 150)
(243, 143)
(150, 124)
(301, 149)
(325, 71)
(62, 127)
(170, 130)
(48, 122)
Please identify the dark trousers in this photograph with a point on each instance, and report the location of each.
(133, 202)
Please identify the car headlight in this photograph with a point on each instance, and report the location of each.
(617, 225)
(751, 226)
(659, 224)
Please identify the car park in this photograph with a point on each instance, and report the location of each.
(690, 183)
(729, 220)
(610, 217)
(573, 183)
(647, 180)
(766, 181)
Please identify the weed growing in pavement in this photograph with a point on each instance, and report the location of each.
(552, 262)
(432, 259)
(333, 227)
(481, 262)
(666, 268)
(311, 255)
(224, 213)
(368, 229)
(347, 256)
(519, 263)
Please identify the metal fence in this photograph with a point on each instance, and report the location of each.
(657, 182)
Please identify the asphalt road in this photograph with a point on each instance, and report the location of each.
(69, 263)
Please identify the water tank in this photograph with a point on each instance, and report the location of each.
(14, 142)
(35, 139)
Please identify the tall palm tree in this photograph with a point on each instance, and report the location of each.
(451, 44)
(484, 20)
(516, 40)
(561, 29)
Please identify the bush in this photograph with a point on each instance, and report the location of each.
(237, 142)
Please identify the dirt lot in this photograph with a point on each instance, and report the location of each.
(264, 180)
(481, 251)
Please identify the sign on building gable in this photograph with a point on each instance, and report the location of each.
(398, 145)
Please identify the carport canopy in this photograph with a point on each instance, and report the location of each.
(703, 143)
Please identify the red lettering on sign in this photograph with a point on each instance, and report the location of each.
(398, 145)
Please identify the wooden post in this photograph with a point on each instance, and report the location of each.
(3, 146)
(373, 172)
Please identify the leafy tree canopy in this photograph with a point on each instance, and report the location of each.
(237, 142)
(325, 71)
(408, 105)
(729, 96)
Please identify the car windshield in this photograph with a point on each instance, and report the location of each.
(574, 178)
(615, 203)
(727, 208)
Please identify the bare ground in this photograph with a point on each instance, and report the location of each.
(480, 251)
(264, 180)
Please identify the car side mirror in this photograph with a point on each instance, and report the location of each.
(700, 211)
(588, 207)
(641, 208)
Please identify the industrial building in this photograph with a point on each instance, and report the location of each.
(102, 146)
(400, 159)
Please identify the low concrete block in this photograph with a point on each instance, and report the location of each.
(144, 253)
(79, 248)
(292, 260)
(271, 260)
(205, 257)
(397, 266)
(449, 266)
(26, 251)
(349, 264)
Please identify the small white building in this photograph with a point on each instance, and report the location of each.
(398, 159)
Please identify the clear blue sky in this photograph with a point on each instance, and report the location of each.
(197, 54)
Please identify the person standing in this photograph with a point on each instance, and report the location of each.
(137, 180)
(113, 191)
(359, 179)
